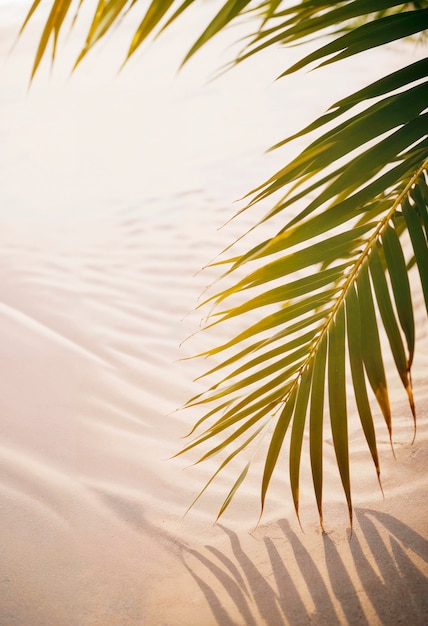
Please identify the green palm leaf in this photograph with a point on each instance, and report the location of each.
(316, 422)
(297, 433)
(333, 273)
(337, 399)
(354, 332)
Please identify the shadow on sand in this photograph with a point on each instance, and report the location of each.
(376, 577)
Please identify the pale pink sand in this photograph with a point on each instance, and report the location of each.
(106, 215)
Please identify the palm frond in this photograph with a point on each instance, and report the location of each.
(348, 308)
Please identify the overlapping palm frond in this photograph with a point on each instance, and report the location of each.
(323, 286)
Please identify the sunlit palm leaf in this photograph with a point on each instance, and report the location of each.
(52, 28)
(419, 241)
(106, 14)
(354, 332)
(390, 324)
(296, 440)
(337, 399)
(317, 421)
(371, 35)
(397, 269)
(277, 439)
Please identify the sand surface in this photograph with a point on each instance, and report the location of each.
(112, 191)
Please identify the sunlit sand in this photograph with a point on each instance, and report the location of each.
(113, 190)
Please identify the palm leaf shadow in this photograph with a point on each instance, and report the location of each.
(278, 579)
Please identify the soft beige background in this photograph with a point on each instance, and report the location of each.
(112, 191)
